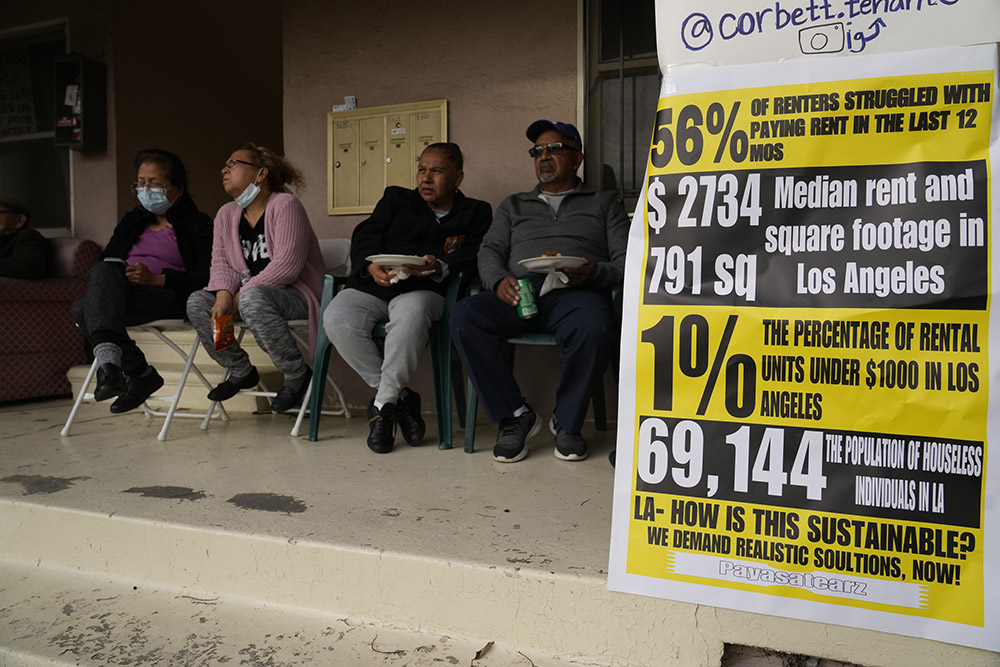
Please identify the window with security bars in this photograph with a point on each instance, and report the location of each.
(623, 85)
(32, 169)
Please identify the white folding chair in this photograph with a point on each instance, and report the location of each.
(336, 254)
(158, 328)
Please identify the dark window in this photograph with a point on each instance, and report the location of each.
(31, 167)
(623, 87)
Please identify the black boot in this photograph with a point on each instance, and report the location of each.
(140, 387)
(411, 424)
(382, 425)
(291, 395)
(110, 382)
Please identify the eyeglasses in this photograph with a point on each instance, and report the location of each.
(157, 189)
(553, 148)
(233, 162)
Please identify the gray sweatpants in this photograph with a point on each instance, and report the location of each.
(266, 311)
(353, 314)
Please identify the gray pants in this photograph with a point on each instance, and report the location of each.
(353, 314)
(266, 311)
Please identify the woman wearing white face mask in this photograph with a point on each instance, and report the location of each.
(266, 269)
(159, 253)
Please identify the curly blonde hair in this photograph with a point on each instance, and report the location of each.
(280, 172)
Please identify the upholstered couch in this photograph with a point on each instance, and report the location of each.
(39, 342)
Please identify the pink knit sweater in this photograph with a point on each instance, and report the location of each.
(296, 259)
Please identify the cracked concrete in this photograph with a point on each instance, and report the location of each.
(423, 542)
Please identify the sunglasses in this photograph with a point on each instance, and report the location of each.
(553, 148)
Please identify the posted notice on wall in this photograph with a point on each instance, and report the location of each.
(807, 349)
(725, 32)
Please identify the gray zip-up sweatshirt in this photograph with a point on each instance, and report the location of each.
(589, 224)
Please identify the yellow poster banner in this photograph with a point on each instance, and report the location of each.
(808, 319)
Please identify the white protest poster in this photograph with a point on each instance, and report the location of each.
(807, 347)
(727, 32)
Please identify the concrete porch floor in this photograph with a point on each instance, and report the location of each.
(242, 544)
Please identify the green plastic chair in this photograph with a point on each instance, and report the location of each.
(538, 339)
(445, 374)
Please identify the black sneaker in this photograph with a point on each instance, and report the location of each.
(407, 415)
(382, 427)
(110, 382)
(291, 395)
(514, 431)
(140, 387)
(569, 446)
(229, 388)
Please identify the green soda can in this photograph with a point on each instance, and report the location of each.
(526, 307)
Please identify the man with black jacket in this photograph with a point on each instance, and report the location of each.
(437, 223)
(24, 253)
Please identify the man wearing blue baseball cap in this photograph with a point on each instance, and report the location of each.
(563, 217)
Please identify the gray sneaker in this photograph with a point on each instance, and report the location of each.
(569, 446)
(514, 431)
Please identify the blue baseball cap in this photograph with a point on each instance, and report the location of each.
(566, 129)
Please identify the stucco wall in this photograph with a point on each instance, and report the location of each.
(218, 87)
(499, 65)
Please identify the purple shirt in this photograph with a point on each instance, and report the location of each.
(157, 250)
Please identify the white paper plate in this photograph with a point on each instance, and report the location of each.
(546, 264)
(397, 260)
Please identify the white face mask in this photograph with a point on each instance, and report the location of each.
(154, 200)
(249, 193)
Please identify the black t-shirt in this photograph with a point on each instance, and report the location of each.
(254, 245)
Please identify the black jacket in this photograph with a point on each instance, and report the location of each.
(403, 224)
(24, 253)
(194, 240)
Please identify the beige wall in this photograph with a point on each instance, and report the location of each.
(500, 66)
(198, 79)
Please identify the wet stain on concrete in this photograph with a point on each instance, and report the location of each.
(268, 502)
(40, 484)
(168, 492)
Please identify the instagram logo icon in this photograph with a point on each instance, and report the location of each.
(827, 38)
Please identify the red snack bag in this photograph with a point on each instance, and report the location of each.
(222, 327)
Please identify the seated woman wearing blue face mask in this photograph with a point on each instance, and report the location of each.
(159, 253)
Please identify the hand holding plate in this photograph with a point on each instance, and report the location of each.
(580, 275)
(379, 274)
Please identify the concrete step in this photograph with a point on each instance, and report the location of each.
(57, 617)
(171, 366)
(425, 596)
(290, 536)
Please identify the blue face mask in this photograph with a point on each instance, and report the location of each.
(154, 200)
(249, 193)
